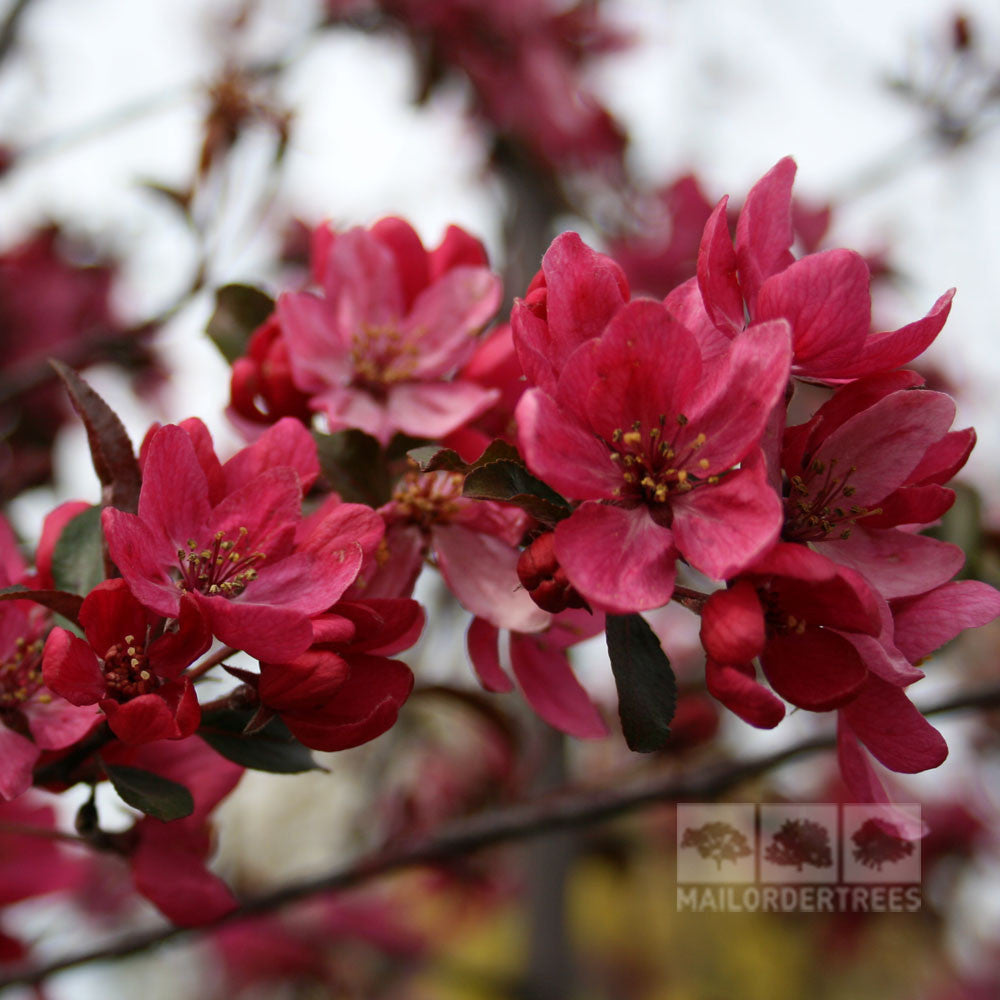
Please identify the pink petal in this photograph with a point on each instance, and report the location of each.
(318, 354)
(366, 706)
(585, 289)
(552, 689)
(174, 495)
(145, 558)
(169, 869)
(362, 282)
(826, 299)
(481, 571)
(647, 367)
(876, 450)
(17, 759)
(883, 351)
(412, 260)
(447, 316)
(721, 529)
(764, 231)
(734, 685)
(434, 409)
(817, 670)
(288, 442)
(717, 279)
(482, 641)
(927, 622)
(71, 670)
(687, 306)
(887, 722)
(57, 724)
(895, 562)
(620, 560)
(732, 624)
(264, 631)
(109, 613)
(563, 453)
(731, 416)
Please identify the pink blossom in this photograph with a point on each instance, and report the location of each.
(376, 351)
(236, 556)
(650, 442)
(824, 296)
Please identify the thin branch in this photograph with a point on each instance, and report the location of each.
(212, 661)
(9, 28)
(566, 810)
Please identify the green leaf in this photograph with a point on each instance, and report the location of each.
(150, 793)
(239, 310)
(354, 465)
(63, 603)
(78, 558)
(512, 483)
(272, 748)
(110, 446)
(647, 689)
(432, 457)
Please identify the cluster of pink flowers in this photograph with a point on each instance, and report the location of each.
(644, 451)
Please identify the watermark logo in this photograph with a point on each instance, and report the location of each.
(782, 857)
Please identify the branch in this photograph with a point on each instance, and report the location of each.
(566, 810)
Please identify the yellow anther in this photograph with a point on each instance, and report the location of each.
(133, 663)
(214, 589)
(130, 639)
(699, 441)
(632, 437)
(144, 674)
(131, 651)
(661, 492)
(648, 482)
(616, 434)
(682, 476)
(703, 463)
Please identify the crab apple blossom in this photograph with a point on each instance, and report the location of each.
(378, 349)
(32, 717)
(129, 664)
(872, 458)
(824, 297)
(237, 556)
(663, 453)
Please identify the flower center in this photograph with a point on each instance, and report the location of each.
(653, 464)
(429, 498)
(778, 621)
(380, 357)
(819, 504)
(21, 673)
(126, 670)
(218, 570)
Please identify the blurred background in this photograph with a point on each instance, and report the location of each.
(151, 153)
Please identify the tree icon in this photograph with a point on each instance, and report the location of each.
(718, 841)
(874, 846)
(800, 842)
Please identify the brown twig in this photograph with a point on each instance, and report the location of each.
(566, 810)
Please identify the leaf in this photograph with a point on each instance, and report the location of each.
(239, 310)
(110, 447)
(63, 603)
(354, 465)
(150, 793)
(512, 483)
(78, 557)
(647, 689)
(271, 748)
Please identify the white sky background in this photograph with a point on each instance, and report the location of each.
(725, 87)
